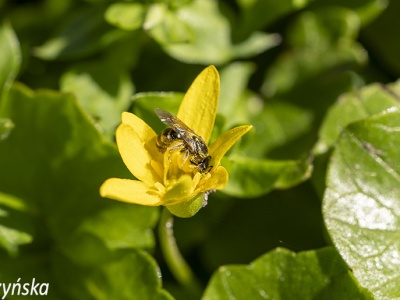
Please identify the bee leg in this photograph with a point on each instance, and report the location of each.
(186, 156)
(177, 146)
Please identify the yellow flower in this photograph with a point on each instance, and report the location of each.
(167, 178)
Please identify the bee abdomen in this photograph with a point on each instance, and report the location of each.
(165, 138)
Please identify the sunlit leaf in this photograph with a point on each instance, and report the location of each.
(361, 204)
(282, 274)
(353, 107)
(199, 33)
(128, 16)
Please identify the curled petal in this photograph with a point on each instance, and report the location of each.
(199, 106)
(225, 141)
(217, 181)
(135, 156)
(144, 131)
(131, 191)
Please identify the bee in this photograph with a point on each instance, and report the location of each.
(194, 145)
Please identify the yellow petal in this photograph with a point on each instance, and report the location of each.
(135, 156)
(225, 141)
(199, 106)
(144, 131)
(131, 191)
(217, 181)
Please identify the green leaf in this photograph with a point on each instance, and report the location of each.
(319, 41)
(6, 126)
(353, 107)
(258, 14)
(82, 34)
(367, 10)
(249, 177)
(127, 16)
(199, 33)
(123, 233)
(103, 90)
(361, 204)
(131, 275)
(10, 59)
(277, 125)
(15, 225)
(56, 160)
(234, 101)
(282, 274)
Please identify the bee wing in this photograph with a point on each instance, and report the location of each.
(184, 131)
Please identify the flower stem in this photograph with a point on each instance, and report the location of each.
(174, 259)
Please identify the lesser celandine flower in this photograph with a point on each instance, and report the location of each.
(168, 178)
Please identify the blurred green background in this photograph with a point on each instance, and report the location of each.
(68, 69)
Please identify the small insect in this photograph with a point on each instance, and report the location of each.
(194, 145)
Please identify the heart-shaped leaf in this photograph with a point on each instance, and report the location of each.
(361, 204)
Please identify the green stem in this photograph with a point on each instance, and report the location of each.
(174, 259)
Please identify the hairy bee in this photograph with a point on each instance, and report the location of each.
(194, 145)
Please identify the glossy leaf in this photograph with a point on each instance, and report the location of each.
(282, 274)
(361, 204)
(254, 177)
(353, 107)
